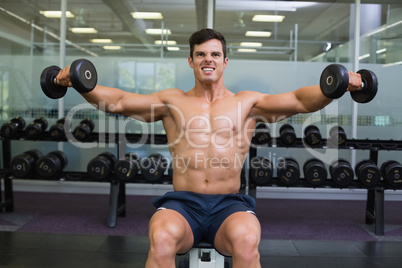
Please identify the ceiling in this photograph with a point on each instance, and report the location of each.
(317, 23)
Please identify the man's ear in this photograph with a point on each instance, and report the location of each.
(225, 63)
(190, 62)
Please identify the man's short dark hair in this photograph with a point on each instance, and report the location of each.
(204, 35)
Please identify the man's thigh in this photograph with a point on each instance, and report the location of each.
(233, 228)
(168, 221)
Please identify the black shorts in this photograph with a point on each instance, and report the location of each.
(205, 213)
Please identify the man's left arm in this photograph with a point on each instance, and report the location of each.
(306, 99)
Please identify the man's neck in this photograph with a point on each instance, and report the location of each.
(209, 92)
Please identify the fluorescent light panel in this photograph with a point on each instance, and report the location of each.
(101, 41)
(157, 31)
(249, 50)
(147, 15)
(55, 14)
(268, 18)
(112, 47)
(251, 44)
(258, 33)
(83, 30)
(173, 48)
(168, 42)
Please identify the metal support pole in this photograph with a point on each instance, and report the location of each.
(211, 14)
(296, 38)
(62, 52)
(62, 57)
(356, 53)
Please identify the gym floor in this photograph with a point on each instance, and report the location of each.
(61, 250)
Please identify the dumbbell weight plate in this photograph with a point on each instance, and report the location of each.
(368, 173)
(49, 165)
(369, 90)
(334, 81)
(261, 170)
(83, 75)
(101, 166)
(126, 169)
(153, 167)
(62, 157)
(262, 135)
(287, 135)
(12, 128)
(337, 135)
(49, 87)
(83, 131)
(36, 128)
(341, 173)
(288, 172)
(392, 173)
(57, 131)
(22, 165)
(315, 172)
(312, 135)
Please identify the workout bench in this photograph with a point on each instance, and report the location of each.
(204, 255)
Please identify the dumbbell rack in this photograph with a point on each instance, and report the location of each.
(117, 197)
(375, 195)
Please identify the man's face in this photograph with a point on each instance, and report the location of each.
(208, 61)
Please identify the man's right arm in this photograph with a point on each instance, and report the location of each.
(146, 108)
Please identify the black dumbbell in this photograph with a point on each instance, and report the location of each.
(126, 169)
(57, 131)
(341, 173)
(391, 171)
(13, 128)
(337, 136)
(100, 167)
(288, 171)
(287, 135)
(368, 173)
(153, 167)
(260, 170)
(334, 81)
(23, 165)
(312, 135)
(315, 172)
(50, 165)
(35, 129)
(83, 76)
(83, 131)
(262, 134)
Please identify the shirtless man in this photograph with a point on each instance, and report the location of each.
(210, 128)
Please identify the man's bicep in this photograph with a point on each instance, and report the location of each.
(276, 107)
(147, 108)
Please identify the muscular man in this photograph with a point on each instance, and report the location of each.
(209, 130)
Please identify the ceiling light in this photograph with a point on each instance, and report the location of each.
(168, 42)
(251, 44)
(327, 47)
(157, 31)
(112, 47)
(365, 56)
(173, 48)
(101, 41)
(147, 15)
(258, 33)
(268, 18)
(248, 50)
(381, 51)
(83, 30)
(56, 14)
